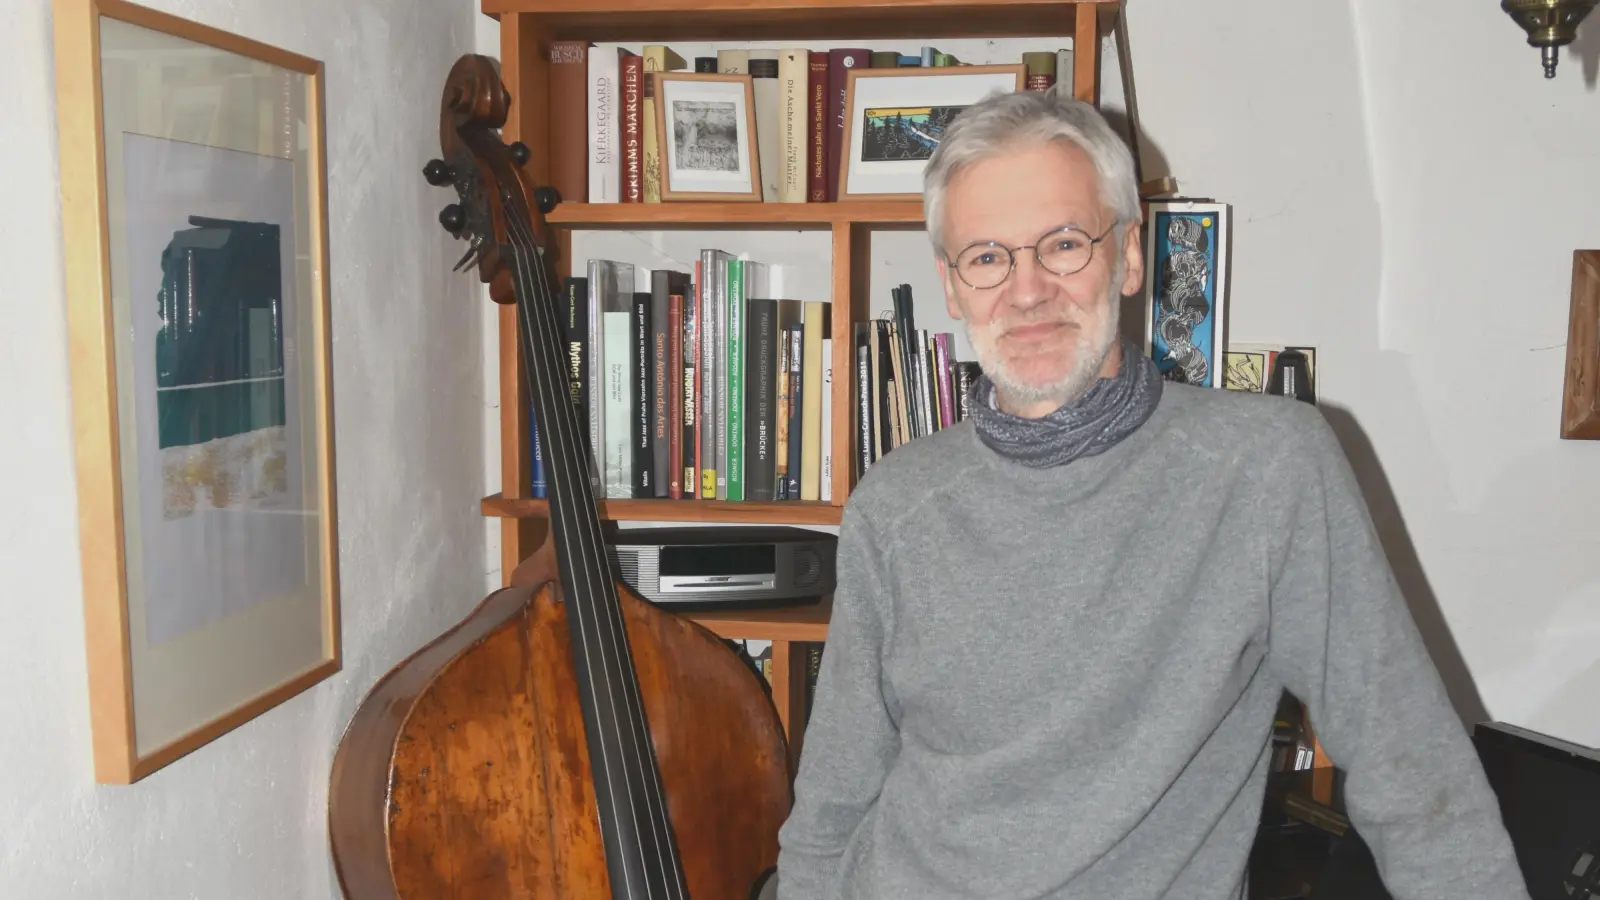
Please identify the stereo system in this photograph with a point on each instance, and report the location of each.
(725, 567)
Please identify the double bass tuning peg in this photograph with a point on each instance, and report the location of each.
(519, 153)
(438, 173)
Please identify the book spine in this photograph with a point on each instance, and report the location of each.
(576, 327)
(734, 396)
(719, 369)
(632, 73)
(761, 330)
(660, 393)
(793, 146)
(691, 389)
(817, 90)
(569, 118)
(708, 375)
(811, 401)
(796, 403)
(644, 457)
(616, 334)
(605, 174)
(674, 387)
(825, 471)
(864, 442)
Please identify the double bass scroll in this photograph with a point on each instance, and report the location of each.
(567, 740)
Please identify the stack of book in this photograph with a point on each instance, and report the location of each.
(908, 383)
(699, 385)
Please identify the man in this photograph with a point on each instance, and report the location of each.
(1063, 626)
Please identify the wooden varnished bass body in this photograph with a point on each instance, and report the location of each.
(469, 771)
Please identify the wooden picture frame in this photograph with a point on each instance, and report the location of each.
(865, 172)
(1580, 397)
(1187, 245)
(196, 265)
(693, 168)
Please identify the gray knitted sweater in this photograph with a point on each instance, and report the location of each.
(1060, 683)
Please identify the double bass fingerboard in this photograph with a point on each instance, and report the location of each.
(641, 852)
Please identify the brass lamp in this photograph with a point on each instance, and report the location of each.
(1550, 24)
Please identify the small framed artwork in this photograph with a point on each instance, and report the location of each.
(1186, 245)
(1580, 405)
(708, 136)
(194, 225)
(894, 118)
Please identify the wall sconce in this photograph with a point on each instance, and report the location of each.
(1550, 24)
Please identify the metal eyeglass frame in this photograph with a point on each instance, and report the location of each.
(1011, 254)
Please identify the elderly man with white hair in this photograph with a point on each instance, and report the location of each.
(1063, 626)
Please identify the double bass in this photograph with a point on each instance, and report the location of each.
(567, 740)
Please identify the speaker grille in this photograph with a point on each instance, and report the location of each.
(807, 567)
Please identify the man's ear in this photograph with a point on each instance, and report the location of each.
(1132, 259)
(950, 304)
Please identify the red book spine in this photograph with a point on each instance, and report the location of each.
(817, 174)
(632, 143)
(675, 389)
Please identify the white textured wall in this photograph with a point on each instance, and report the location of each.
(244, 817)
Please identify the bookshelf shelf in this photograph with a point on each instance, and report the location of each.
(720, 512)
(776, 216)
(788, 623)
(800, 20)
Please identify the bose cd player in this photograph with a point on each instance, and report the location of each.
(725, 566)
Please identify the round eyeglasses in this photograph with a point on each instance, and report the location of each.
(1065, 251)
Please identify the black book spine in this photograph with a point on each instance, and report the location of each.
(661, 284)
(761, 399)
(864, 449)
(644, 481)
(688, 449)
(577, 335)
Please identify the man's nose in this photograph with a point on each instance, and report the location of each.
(1030, 283)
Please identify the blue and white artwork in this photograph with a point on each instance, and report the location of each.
(1186, 248)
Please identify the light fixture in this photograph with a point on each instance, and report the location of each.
(1550, 24)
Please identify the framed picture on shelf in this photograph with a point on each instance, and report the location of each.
(1186, 245)
(893, 119)
(193, 210)
(707, 136)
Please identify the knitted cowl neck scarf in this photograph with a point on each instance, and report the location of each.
(1110, 410)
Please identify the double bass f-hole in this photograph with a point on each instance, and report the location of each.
(566, 739)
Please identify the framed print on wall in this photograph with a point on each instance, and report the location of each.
(1186, 244)
(707, 136)
(893, 119)
(194, 225)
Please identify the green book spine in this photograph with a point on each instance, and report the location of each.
(735, 395)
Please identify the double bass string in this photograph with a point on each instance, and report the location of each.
(660, 830)
(559, 413)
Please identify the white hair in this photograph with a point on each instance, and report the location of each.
(1005, 120)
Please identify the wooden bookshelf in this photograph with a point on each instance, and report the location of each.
(528, 27)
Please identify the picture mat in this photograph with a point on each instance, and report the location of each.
(679, 93)
(876, 91)
(222, 652)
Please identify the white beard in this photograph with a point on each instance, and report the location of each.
(1089, 354)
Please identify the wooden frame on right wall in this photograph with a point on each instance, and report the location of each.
(1580, 398)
